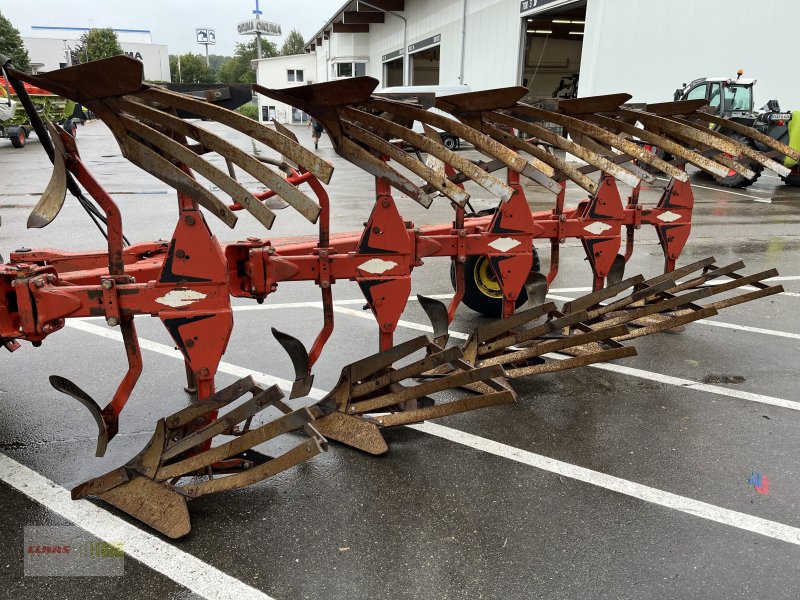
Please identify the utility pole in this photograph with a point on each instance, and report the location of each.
(257, 12)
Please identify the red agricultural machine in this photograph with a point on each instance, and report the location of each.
(188, 281)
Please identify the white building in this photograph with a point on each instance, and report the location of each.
(645, 47)
(49, 49)
(283, 72)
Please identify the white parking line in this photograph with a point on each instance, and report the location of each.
(614, 368)
(742, 521)
(725, 191)
(339, 306)
(179, 566)
(683, 504)
(773, 332)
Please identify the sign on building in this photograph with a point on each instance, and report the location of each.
(258, 26)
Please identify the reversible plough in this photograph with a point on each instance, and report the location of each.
(188, 281)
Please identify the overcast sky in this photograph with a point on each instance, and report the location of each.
(172, 22)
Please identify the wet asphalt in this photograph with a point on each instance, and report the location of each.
(435, 519)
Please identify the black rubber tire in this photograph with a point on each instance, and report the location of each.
(476, 296)
(737, 180)
(793, 178)
(449, 142)
(71, 128)
(18, 140)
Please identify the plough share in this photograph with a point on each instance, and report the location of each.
(188, 281)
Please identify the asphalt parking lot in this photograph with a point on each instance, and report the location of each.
(642, 479)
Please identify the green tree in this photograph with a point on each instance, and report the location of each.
(193, 69)
(11, 45)
(217, 61)
(239, 69)
(249, 110)
(293, 44)
(96, 44)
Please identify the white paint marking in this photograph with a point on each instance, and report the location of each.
(710, 512)
(179, 566)
(703, 510)
(339, 307)
(224, 367)
(694, 385)
(504, 244)
(668, 217)
(773, 332)
(597, 228)
(615, 368)
(724, 191)
(377, 266)
(178, 298)
(763, 200)
(568, 290)
(560, 298)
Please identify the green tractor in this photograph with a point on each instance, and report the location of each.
(733, 99)
(14, 123)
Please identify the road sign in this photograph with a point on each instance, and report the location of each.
(206, 36)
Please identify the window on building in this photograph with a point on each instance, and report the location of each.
(425, 67)
(393, 72)
(344, 69)
(294, 75)
(268, 113)
(298, 116)
(349, 69)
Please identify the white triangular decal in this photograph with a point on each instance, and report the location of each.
(504, 244)
(668, 217)
(180, 298)
(376, 266)
(597, 228)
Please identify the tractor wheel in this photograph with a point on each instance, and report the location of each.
(793, 178)
(19, 137)
(449, 142)
(737, 180)
(659, 153)
(71, 128)
(482, 291)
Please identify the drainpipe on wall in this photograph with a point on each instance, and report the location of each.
(463, 43)
(328, 56)
(405, 37)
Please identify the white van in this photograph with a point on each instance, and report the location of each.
(449, 140)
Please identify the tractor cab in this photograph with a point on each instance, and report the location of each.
(7, 106)
(730, 98)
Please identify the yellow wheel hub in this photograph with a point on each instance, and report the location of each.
(485, 279)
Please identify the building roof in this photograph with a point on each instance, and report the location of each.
(355, 16)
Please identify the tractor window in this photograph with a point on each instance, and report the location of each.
(714, 97)
(739, 97)
(697, 93)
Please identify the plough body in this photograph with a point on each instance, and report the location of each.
(188, 281)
